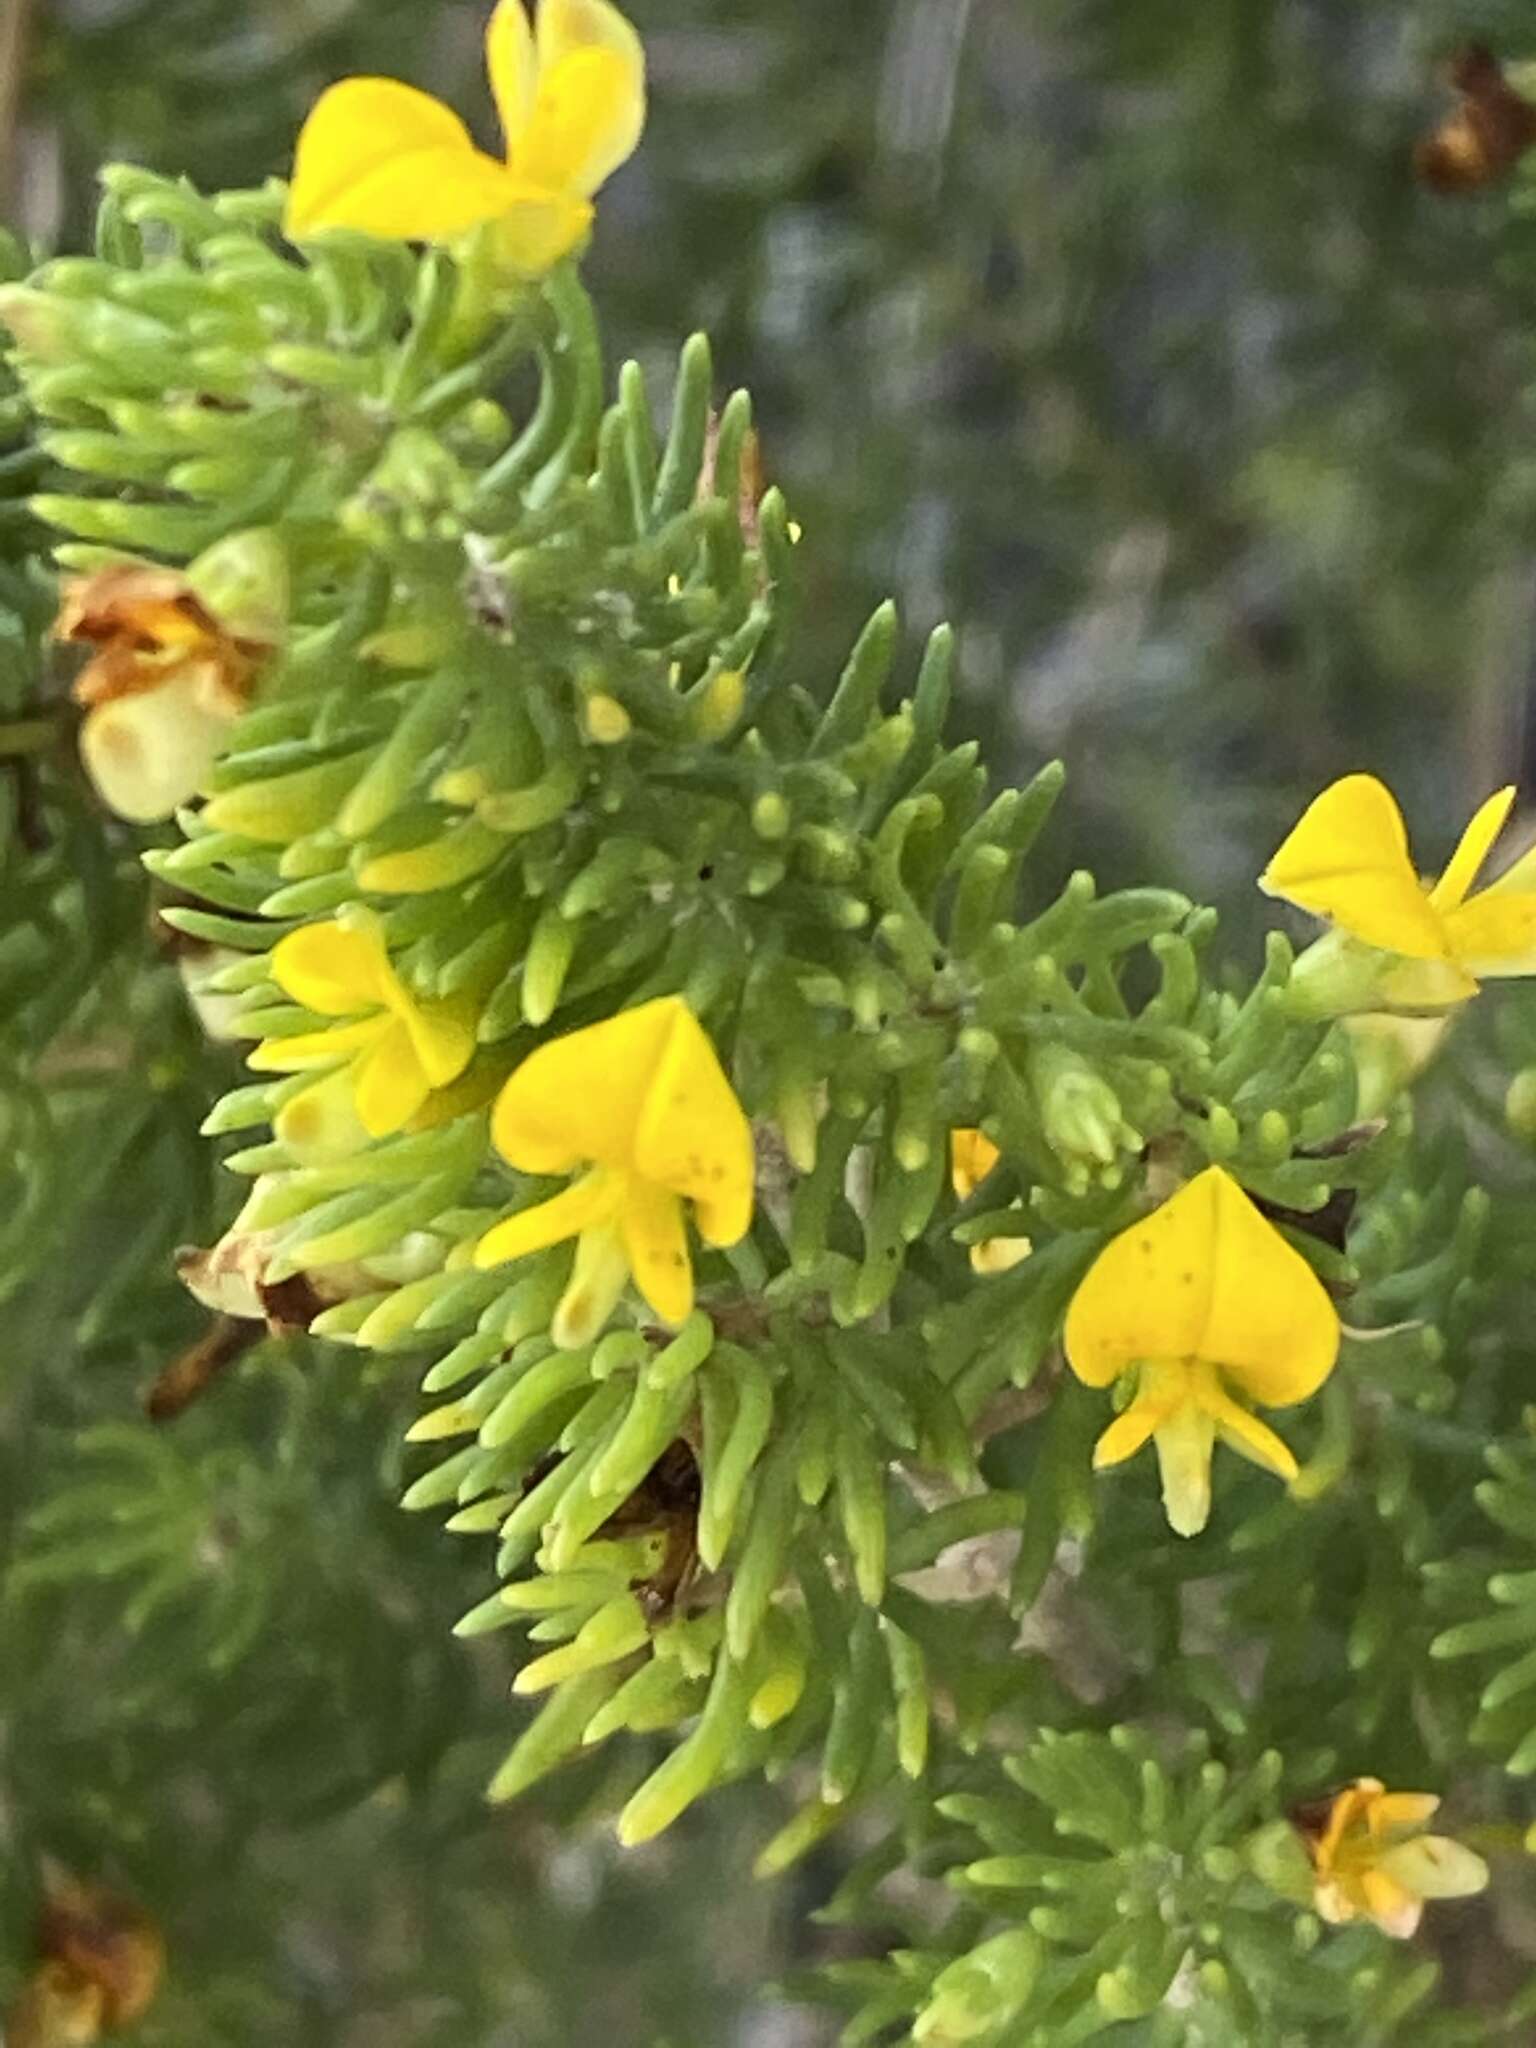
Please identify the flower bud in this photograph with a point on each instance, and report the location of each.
(982, 1991)
(1080, 1111)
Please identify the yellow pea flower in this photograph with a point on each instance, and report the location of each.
(640, 1106)
(972, 1156)
(1428, 945)
(381, 157)
(1372, 1859)
(379, 1068)
(1201, 1297)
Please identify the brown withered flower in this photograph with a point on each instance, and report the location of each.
(100, 1962)
(174, 663)
(1485, 135)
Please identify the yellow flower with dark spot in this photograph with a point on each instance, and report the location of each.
(377, 1069)
(383, 158)
(640, 1107)
(1348, 860)
(1202, 1301)
(972, 1156)
(1374, 1861)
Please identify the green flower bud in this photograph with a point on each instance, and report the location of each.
(981, 1991)
(1081, 1113)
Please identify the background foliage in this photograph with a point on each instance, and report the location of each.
(1125, 338)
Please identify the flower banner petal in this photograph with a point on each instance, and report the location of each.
(693, 1135)
(1270, 1324)
(1347, 859)
(586, 121)
(579, 1098)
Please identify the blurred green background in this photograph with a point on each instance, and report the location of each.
(1121, 334)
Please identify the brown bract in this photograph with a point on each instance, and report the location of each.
(147, 624)
(1483, 139)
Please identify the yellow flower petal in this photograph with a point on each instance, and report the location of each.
(315, 1048)
(1129, 1431)
(693, 1136)
(538, 229)
(1396, 1911)
(513, 66)
(657, 1249)
(1000, 1254)
(1462, 869)
(150, 752)
(579, 1098)
(1424, 985)
(1244, 1433)
(1435, 1867)
(380, 157)
(566, 29)
(1347, 859)
(972, 1156)
(443, 1035)
(593, 1197)
(1495, 934)
(586, 120)
(1390, 1811)
(1205, 1277)
(333, 968)
(389, 1082)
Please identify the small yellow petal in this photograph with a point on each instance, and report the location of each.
(1347, 859)
(657, 1249)
(1237, 1428)
(1396, 1911)
(1127, 1434)
(443, 1034)
(1390, 1811)
(972, 1156)
(693, 1136)
(315, 1048)
(1495, 934)
(538, 228)
(579, 1097)
(586, 120)
(332, 968)
(1000, 1254)
(1420, 986)
(382, 158)
(1461, 871)
(513, 66)
(567, 1214)
(389, 1082)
